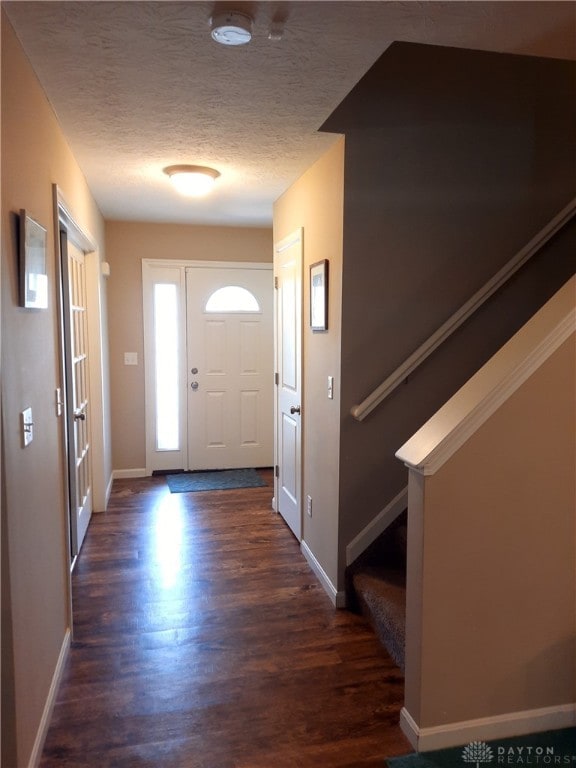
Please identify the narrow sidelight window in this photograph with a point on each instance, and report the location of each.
(166, 360)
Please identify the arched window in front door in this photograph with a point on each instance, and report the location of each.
(232, 298)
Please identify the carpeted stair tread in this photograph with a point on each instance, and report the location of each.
(376, 584)
(381, 593)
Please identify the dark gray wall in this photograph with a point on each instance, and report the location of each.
(454, 160)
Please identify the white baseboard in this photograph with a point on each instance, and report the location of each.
(49, 705)
(127, 474)
(338, 598)
(376, 526)
(487, 728)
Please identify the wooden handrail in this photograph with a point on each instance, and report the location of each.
(360, 411)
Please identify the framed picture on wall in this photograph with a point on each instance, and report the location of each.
(319, 296)
(32, 264)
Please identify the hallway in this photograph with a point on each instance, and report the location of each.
(203, 640)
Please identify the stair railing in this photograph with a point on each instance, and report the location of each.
(360, 411)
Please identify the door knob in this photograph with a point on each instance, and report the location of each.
(80, 416)
(194, 385)
(294, 409)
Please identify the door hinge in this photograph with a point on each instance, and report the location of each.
(276, 378)
(277, 470)
(275, 281)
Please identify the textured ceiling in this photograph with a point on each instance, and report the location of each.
(138, 86)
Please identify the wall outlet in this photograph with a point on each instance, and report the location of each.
(309, 506)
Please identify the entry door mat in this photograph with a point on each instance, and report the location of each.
(216, 480)
(535, 750)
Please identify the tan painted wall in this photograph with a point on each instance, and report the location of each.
(34, 156)
(496, 617)
(127, 243)
(315, 202)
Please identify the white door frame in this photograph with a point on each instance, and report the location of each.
(148, 265)
(97, 345)
(63, 220)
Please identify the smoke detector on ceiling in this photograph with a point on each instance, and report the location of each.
(231, 28)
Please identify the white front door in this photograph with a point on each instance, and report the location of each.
(230, 367)
(288, 276)
(78, 399)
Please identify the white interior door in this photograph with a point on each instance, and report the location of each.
(230, 367)
(288, 276)
(77, 391)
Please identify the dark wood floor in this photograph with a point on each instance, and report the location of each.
(203, 640)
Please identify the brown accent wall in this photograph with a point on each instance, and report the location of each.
(315, 202)
(454, 161)
(127, 243)
(34, 546)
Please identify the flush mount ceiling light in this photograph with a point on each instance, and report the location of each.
(192, 180)
(231, 28)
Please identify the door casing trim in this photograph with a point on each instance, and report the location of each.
(63, 219)
(183, 264)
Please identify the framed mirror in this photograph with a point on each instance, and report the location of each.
(32, 264)
(319, 296)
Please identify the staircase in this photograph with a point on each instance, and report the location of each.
(376, 580)
(376, 587)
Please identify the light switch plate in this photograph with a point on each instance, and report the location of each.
(130, 358)
(330, 387)
(27, 427)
